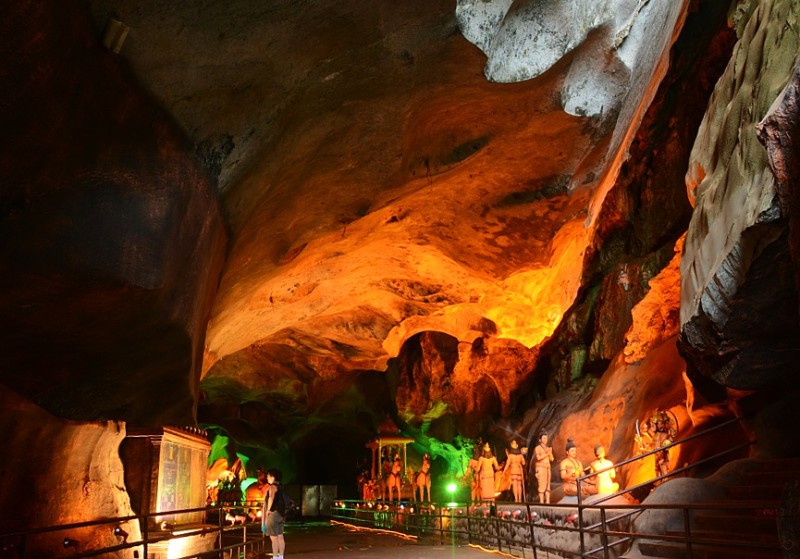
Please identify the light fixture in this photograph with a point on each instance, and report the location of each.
(451, 488)
(70, 543)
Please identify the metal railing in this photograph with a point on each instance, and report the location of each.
(610, 528)
(531, 530)
(229, 530)
(657, 479)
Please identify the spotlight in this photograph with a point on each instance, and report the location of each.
(451, 488)
(166, 525)
(120, 533)
(70, 543)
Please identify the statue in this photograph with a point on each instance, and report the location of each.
(515, 466)
(395, 480)
(606, 473)
(386, 471)
(661, 430)
(473, 469)
(487, 466)
(366, 486)
(543, 455)
(423, 478)
(571, 469)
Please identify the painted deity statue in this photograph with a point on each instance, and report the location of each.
(543, 455)
(395, 480)
(570, 470)
(515, 468)
(660, 431)
(473, 471)
(423, 478)
(606, 474)
(487, 466)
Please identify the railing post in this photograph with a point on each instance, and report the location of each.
(496, 525)
(687, 532)
(580, 516)
(530, 524)
(145, 534)
(604, 536)
(469, 523)
(441, 525)
(24, 545)
(219, 525)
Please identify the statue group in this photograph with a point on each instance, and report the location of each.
(490, 478)
(388, 486)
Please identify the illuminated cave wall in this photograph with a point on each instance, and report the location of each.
(408, 239)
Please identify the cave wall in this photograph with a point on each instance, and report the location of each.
(409, 239)
(111, 240)
(56, 471)
(739, 325)
(111, 244)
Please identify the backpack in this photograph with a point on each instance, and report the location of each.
(289, 506)
(283, 503)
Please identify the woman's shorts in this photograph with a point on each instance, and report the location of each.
(274, 524)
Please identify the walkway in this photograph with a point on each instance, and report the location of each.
(321, 540)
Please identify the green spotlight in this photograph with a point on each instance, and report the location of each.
(451, 488)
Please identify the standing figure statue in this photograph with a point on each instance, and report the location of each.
(515, 466)
(473, 471)
(571, 469)
(423, 478)
(606, 474)
(543, 455)
(661, 430)
(487, 466)
(395, 480)
(664, 435)
(386, 471)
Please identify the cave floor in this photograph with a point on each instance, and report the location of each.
(318, 540)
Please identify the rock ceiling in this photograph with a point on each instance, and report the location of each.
(379, 187)
(323, 213)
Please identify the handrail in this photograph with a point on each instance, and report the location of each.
(639, 457)
(483, 528)
(146, 535)
(604, 521)
(661, 449)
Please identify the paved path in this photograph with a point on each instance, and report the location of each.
(322, 540)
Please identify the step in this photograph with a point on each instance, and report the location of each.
(768, 538)
(777, 464)
(771, 478)
(755, 493)
(734, 522)
(674, 550)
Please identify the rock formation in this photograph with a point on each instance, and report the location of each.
(405, 237)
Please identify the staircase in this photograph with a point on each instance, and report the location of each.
(745, 525)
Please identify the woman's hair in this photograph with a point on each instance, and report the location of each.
(570, 444)
(275, 473)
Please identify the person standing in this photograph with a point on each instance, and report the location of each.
(274, 512)
(543, 455)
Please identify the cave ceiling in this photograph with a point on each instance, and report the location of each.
(389, 189)
(327, 212)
